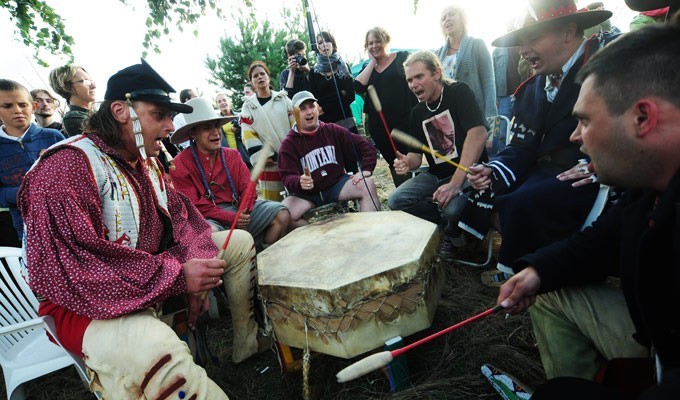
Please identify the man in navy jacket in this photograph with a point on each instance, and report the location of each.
(633, 141)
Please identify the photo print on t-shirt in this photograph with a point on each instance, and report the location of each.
(441, 136)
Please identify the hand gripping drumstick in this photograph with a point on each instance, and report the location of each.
(378, 107)
(248, 194)
(296, 114)
(413, 142)
(379, 360)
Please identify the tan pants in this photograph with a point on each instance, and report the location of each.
(137, 356)
(579, 328)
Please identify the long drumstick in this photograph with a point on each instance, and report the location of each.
(379, 360)
(413, 142)
(245, 200)
(249, 193)
(296, 114)
(378, 107)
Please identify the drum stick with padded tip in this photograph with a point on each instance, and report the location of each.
(413, 142)
(378, 107)
(379, 360)
(296, 114)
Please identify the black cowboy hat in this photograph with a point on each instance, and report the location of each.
(543, 13)
(141, 82)
(648, 5)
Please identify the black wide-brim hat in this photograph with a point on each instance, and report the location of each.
(141, 82)
(648, 5)
(543, 13)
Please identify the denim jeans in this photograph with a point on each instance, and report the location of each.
(505, 109)
(415, 197)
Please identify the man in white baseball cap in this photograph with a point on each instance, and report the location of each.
(314, 159)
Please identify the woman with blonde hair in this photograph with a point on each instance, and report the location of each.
(385, 71)
(76, 86)
(466, 59)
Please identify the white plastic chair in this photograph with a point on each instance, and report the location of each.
(26, 352)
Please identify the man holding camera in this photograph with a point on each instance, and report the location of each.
(294, 79)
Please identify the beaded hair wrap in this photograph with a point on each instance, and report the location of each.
(139, 138)
(136, 127)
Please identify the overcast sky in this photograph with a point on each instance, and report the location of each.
(108, 34)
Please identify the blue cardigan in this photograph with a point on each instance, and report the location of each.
(16, 158)
(474, 67)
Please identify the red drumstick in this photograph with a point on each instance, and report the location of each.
(378, 107)
(247, 195)
(378, 360)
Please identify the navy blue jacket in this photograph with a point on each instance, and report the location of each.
(541, 129)
(16, 157)
(637, 238)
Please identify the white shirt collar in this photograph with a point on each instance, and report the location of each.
(8, 136)
(550, 90)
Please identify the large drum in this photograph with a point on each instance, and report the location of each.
(345, 285)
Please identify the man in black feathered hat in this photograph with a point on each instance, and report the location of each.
(108, 239)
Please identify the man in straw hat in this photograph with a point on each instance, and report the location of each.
(107, 240)
(215, 178)
(535, 207)
(633, 141)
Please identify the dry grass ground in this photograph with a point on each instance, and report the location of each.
(446, 368)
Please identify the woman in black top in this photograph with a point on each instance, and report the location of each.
(385, 71)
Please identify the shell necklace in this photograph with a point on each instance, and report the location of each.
(441, 97)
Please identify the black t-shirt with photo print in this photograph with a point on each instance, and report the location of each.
(445, 129)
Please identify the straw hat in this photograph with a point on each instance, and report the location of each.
(203, 112)
(543, 13)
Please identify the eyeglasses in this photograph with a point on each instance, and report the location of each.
(86, 82)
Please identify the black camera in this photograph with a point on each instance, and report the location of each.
(300, 59)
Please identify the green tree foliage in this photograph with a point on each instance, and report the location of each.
(255, 40)
(40, 27)
(178, 13)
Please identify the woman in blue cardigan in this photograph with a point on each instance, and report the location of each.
(466, 59)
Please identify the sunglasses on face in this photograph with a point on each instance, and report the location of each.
(86, 82)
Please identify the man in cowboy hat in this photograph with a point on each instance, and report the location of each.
(539, 199)
(107, 240)
(314, 159)
(215, 178)
(633, 141)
